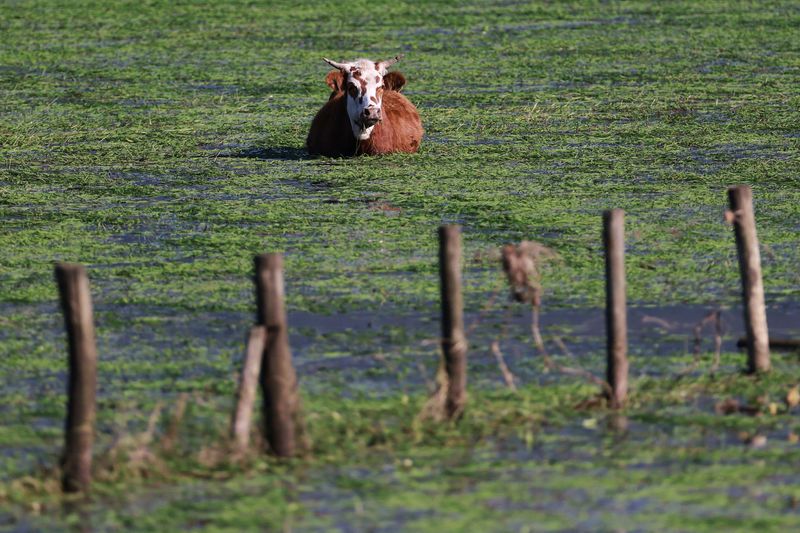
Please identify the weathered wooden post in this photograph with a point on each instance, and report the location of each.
(76, 302)
(616, 311)
(281, 403)
(755, 315)
(454, 341)
(248, 382)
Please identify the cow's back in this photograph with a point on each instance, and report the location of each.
(330, 133)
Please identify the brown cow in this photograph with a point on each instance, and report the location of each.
(365, 114)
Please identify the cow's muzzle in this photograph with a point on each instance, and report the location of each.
(371, 116)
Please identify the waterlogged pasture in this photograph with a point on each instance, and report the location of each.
(162, 145)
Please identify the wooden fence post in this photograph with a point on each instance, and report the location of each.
(616, 311)
(248, 381)
(281, 403)
(76, 303)
(755, 315)
(454, 341)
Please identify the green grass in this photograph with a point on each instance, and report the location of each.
(161, 144)
(132, 144)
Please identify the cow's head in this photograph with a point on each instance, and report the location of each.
(363, 81)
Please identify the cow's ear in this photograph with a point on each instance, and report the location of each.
(394, 81)
(335, 80)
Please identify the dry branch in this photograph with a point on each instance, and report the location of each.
(508, 377)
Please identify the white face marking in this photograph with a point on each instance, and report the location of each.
(364, 94)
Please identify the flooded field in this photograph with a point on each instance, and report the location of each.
(162, 145)
(617, 469)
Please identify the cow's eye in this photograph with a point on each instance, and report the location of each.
(352, 90)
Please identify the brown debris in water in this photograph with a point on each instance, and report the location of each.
(731, 406)
(522, 266)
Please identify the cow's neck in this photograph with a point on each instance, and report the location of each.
(369, 145)
(359, 134)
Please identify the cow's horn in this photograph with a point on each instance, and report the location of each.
(389, 62)
(334, 64)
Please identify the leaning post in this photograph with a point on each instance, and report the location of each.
(755, 315)
(616, 307)
(76, 303)
(248, 383)
(454, 341)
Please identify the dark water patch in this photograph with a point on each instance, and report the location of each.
(281, 153)
(570, 24)
(16, 461)
(421, 31)
(350, 341)
(144, 102)
(444, 98)
(14, 69)
(218, 88)
(224, 148)
(144, 179)
(380, 352)
(597, 144)
(720, 63)
(712, 160)
(485, 141)
(578, 441)
(158, 231)
(37, 383)
(513, 28)
(535, 473)
(713, 117)
(493, 142)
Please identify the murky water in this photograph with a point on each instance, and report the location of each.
(380, 350)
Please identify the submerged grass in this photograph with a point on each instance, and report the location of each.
(161, 144)
(666, 462)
